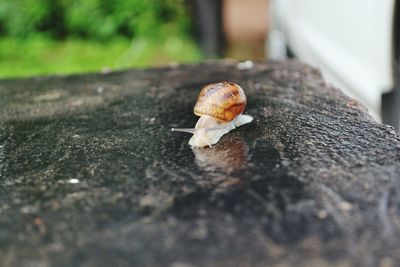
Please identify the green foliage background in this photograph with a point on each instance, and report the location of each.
(93, 19)
(46, 36)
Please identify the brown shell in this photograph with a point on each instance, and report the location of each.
(223, 101)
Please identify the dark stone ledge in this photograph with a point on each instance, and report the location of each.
(90, 174)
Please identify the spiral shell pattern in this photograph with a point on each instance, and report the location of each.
(223, 101)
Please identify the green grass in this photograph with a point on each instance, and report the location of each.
(38, 56)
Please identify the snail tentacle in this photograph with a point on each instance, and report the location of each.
(184, 130)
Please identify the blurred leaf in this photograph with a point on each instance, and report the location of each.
(67, 36)
(94, 19)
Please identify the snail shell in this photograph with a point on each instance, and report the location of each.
(222, 101)
(220, 107)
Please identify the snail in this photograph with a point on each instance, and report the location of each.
(220, 107)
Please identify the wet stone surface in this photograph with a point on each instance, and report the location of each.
(90, 174)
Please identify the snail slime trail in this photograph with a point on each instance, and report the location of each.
(220, 107)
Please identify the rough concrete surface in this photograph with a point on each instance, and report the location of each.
(90, 174)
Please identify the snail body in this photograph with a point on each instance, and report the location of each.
(220, 107)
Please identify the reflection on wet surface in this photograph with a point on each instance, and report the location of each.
(229, 155)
